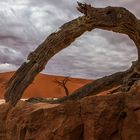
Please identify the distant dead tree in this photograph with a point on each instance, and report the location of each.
(63, 83)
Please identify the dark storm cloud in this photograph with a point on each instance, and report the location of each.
(25, 24)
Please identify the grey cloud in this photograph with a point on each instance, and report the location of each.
(25, 24)
(10, 56)
(90, 57)
(5, 67)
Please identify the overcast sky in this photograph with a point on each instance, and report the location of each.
(24, 24)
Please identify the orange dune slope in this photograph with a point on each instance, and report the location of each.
(44, 86)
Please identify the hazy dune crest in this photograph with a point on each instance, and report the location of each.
(44, 85)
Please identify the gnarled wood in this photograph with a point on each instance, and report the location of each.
(92, 88)
(115, 19)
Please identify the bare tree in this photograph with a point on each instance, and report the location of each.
(116, 19)
(63, 83)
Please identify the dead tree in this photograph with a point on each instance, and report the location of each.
(63, 83)
(116, 19)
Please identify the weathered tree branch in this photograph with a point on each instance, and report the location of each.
(115, 19)
(91, 88)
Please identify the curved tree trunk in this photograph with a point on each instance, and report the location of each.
(115, 19)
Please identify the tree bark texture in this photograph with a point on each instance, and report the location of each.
(116, 19)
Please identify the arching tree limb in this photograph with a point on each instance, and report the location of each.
(115, 19)
(91, 88)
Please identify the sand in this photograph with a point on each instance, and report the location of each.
(44, 86)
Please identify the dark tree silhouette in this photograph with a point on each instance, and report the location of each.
(116, 19)
(63, 83)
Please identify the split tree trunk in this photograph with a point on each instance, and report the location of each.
(116, 19)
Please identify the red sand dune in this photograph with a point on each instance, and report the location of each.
(44, 85)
